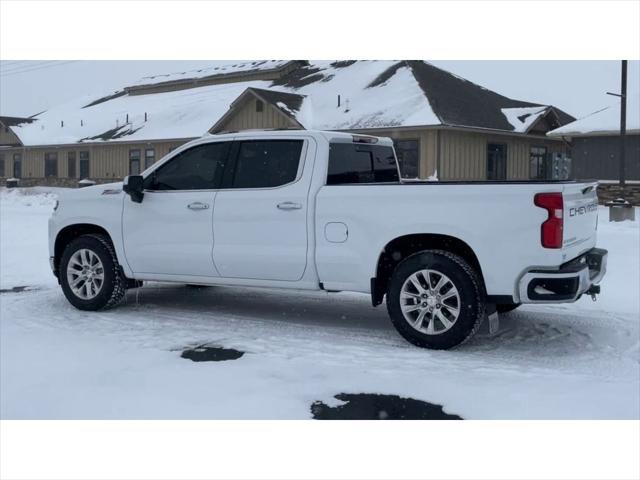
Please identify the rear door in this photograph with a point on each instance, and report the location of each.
(260, 217)
(580, 217)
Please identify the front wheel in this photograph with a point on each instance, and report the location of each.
(435, 299)
(90, 275)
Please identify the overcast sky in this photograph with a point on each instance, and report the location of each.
(578, 87)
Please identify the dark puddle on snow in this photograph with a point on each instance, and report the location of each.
(373, 406)
(205, 353)
(21, 288)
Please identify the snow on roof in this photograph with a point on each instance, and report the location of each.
(169, 115)
(523, 118)
(373, 94)
(605, 121)
(240, 67)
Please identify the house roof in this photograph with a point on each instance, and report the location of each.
(11, 121)
(603, 122)
(219, 71)
(373, 95)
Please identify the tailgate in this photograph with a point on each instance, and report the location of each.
(580, 217)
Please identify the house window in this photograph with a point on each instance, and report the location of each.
(408, 153)
(51, 164)
(1, 164)
(134, 162)
(538, 163)
(259, 106)
(84, 165)
(149, 157)
(17, 165)
(71, 164)
(496, 161)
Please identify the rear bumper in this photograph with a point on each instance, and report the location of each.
(567, 283)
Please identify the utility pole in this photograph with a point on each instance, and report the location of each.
(623, 121)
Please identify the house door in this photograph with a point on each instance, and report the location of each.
(17, 165)
(496, 161)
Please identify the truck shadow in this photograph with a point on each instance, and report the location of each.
(299, 307)
(560, 332)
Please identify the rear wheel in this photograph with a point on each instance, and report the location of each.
(90, 275)
(435, 299)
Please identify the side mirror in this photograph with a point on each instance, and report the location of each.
(133, 186)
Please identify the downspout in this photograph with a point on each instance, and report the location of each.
(438, 153)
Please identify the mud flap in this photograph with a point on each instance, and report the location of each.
(492, 321)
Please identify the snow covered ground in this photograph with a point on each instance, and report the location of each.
(569, 361)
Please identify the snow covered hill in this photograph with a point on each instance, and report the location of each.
(577, 360)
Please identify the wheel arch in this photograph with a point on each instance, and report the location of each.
(67, 234)
(404, 246)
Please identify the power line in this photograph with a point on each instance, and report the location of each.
(42, 67)
(13, 62)
(28, 66)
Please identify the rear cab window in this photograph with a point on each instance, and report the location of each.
(353, 163)
(266, 163)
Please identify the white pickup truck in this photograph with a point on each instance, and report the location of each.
(314, 210)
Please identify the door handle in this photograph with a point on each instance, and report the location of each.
(289, 206)
(198, 206)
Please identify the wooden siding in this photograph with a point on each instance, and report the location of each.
(463, 155)
(455, 154)
(246, 117)
(428, 145)
(7, 137)
(105, 160)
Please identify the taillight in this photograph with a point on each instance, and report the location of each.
(551, 229)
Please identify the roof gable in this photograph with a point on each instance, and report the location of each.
(285, 104)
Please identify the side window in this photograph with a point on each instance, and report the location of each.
(408, 153)
(1, 164)
(149, 157)
(358, 163)
(134, 162)
(51, 164)
(266, 163)
(84, 165)
(199, 168)
(496, 161)
(537, 163)
(71, 164)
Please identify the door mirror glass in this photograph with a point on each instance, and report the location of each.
(133, 186)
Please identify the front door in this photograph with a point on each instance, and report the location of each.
(171, 231)
(260, 218)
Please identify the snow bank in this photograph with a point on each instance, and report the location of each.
(30, 196)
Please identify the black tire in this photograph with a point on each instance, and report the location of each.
(195, 286)
(113, 287)
(470, 290)
(506, 307)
